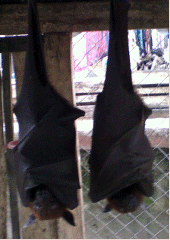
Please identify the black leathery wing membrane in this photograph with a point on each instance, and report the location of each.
(45, 154)
(121, 154)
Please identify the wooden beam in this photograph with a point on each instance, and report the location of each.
(13, 44)
(7, 96)
(82, 16)
(19, 65)
(43, 1)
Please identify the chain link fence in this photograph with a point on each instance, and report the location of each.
(149, 65)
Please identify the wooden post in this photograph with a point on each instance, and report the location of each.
(7, 96)
(57, 48)
(19, 65)
(3, 176)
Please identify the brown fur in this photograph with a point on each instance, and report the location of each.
(127, 200)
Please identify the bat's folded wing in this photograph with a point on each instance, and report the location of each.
(128, 161)
(46, 155)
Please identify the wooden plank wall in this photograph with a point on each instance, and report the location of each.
(58, 21)
(82, 16)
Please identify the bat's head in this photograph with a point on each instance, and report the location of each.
(45, 206)
(125, 201)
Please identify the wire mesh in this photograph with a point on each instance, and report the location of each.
(150, 78)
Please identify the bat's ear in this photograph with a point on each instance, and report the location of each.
(68, 216)
(107, 209)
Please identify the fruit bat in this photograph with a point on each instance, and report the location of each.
(44, 159)
(121, 156)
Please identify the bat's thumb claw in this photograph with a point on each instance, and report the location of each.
(68, 216)
(107, 209)
(31, 219)
(12, 144)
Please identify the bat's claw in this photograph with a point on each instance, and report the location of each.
(31, 219)
(107, 209)
(68, 216)
(12, 144)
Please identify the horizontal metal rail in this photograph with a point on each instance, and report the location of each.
(143, 94)
(94, 103)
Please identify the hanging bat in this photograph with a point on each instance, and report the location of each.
(44, 159)
(121, 156)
